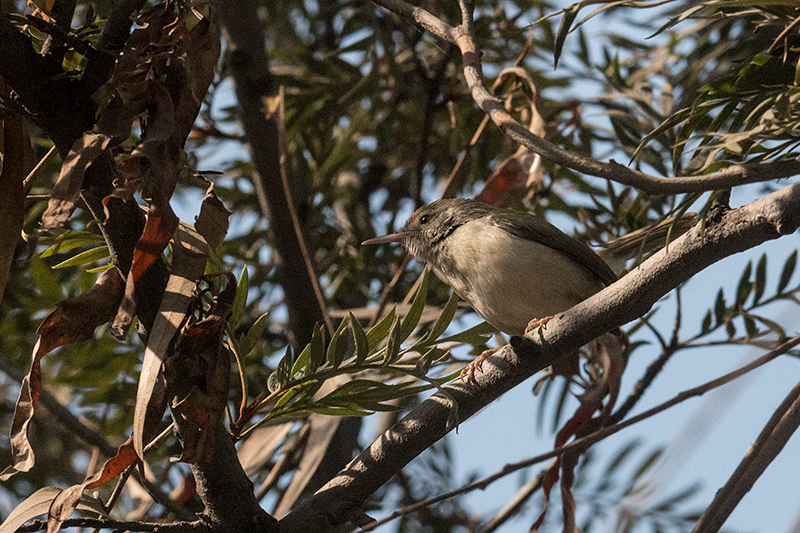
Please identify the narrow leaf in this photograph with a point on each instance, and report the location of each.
(706, 325)
(248, 342)
(317, 352)
(443, 322)
(788, 270)
(393, 344)
(475, 335)
(415, 312)
(68, 240)
(360, 340)
(241, 298)
(719, 308)
(563, 30)
(381, 329)
(87, 256)
(745, 286)
(761, 278)
(337, 348)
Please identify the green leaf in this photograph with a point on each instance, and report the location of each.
(788, 270)
(285, 367)
(360, 340)
(248, 341)
(475, 335)
(301, 363)
(434, 353)
(393, 344)
(87, 256)
(99, 269)
(761, 278)
(337, 348)
(745, 286)
(730, 328)
(443, 321)
(750, 327)
(68, 240)
(287, 397)
(415, 312)
(719, 308)
(240, 301)
(563, 30)
(316, 356)
(380, 330)
(706, 325)
(336, 411)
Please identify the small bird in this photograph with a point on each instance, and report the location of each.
(515, 269)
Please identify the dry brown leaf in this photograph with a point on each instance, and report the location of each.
(64, 503)
(73, 321)
(39, 503)
(189, 258)
(609, 353)
(16, 161)
(523, 171)
(212, 222)
(202, 47)
(158, 231)
(198, 377)
(113, 127)
(190, 250)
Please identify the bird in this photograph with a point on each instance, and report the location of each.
(515, 269)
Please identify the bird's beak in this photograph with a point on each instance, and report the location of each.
(392, 237)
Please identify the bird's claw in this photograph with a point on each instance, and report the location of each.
(468, 372)
(538, 323)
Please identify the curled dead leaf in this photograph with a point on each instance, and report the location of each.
(73, 321)
(198, 377)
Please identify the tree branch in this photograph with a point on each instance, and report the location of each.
(226, 490)
(465, 39)
(781, 426)
(121, 525)
(726, 232)
(250, 69)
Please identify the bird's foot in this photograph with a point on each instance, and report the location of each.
(468, 373)
(538, 323)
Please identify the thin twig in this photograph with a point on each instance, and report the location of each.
(781, 426)
(512, 508)
(298, 229)
(29, 179)
(585, 442)
(462, 36)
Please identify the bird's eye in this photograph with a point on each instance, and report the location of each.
(424, 219)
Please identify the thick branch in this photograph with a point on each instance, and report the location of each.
(728, 177)
(226, 490)
(121, 525)
(250, 69)
(727, 232)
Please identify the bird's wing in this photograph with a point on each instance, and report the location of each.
(535, 228)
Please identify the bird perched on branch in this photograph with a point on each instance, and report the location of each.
(515, 269)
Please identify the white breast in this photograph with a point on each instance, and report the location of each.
(508, 280)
